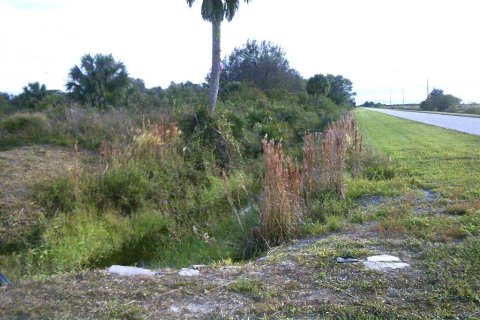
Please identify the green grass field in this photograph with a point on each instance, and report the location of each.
(429, 157)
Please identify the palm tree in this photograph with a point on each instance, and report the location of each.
(99, 81)
(215, 11)
(319, 85)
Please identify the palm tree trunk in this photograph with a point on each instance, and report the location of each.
(216, 65)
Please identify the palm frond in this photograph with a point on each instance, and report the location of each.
(231, 7)
(213, 10)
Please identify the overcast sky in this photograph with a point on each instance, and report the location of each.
(388, 48)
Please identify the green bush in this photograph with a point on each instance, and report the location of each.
(203, 129)
(25, 123)
(23, 129)
(124, 188)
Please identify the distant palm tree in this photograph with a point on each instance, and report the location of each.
(98, 81)
(215, 11)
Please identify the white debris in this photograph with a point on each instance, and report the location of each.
(385, 265)
(129, 271)
(382, 262)
(383, 258)
(197, 308)
(188, 272)
(173, 308)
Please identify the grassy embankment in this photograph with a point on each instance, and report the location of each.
(429, 157)
(153, 195)
(424, 207)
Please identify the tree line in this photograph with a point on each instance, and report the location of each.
(100, 81)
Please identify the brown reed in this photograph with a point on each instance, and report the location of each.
(325, 156)
(280, 206)
(311, 165)
(333, 159)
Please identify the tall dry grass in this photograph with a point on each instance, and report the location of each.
(333, 159)
(280, 207)
(287, 191)
(152, 140)
(354, 149)
(325, 157)
(156, 138)
(311, 165)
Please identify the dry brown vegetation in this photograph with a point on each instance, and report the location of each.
(280, 209)
(287, 189)
(325, 155)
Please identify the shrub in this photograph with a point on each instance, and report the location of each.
(439, 101)
(208, 130)
(23, 129)
(124, 188)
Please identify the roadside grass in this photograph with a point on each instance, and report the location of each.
(427, 157)
(431, 206)
(434, 196)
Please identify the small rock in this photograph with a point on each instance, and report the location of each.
(187, 272)
(129, 271)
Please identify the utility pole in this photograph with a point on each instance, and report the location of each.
(403, 97)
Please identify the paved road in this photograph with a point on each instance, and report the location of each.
(462, 124)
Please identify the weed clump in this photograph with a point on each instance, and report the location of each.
(377, 167)
(325, 157)
(457, 209)
(280, 206)
(288, 193)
